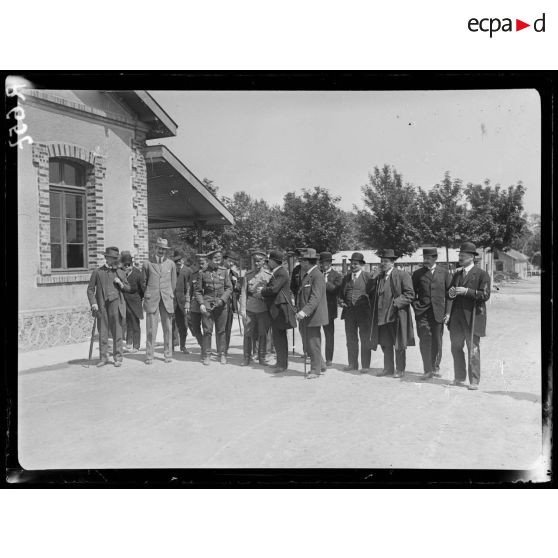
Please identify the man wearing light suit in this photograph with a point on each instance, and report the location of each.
(159, 276)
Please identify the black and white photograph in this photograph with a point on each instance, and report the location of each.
(264, 278)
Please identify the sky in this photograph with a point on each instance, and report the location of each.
(268, 143)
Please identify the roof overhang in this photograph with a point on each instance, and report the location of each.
(149, 111)
(176, 198)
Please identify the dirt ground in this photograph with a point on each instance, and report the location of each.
(183, 414)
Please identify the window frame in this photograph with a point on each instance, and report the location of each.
(64, 190)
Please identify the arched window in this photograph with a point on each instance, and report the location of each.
(68, 227)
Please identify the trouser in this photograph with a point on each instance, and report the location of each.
(151, 326)
(256, 326)
(329, 331)
(228, 327)
(218, 318)
(357, 325)
(269, 343)
(196, 327)
(133, 329)
(313, 338)
(109, 318)
(281, 346)
(179, 328)
(460, 333)
(386, 338)
(430, 335)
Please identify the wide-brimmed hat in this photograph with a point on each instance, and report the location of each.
(276, 256)
(309, 254)
(178, 255)
(429, 251)
(469, 248)
(387, 253)
(126, 257)
(201, 255)
(163, 243)
(257, 252)
(213, 252)
(112, 252)
(326, 257)
(357, 257)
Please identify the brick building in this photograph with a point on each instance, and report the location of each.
(90, 180)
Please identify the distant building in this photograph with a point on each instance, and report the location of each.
(88, 181)
(511, 261)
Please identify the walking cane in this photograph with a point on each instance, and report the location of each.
(471, 346)
(91, 343)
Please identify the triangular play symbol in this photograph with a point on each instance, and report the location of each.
(519, 25)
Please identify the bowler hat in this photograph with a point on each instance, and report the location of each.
(112, 252)
(469, 248)
(429, 251)
(163, 243)
(357, 257)
(387, 253)
(309, 254)
(277, 256)
(178, 255)
(126, 257)
(326, 257)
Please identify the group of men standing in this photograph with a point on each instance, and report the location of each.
(376, 308)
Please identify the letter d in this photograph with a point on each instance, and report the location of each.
(535, 25)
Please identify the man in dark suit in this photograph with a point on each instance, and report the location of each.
(392, 321)
(333, 284)
(179, 327)
(312, 313)
(296, 279)
(159, 275)
(431, 307)
(280, 302)
(134, 310)
(230, 262)
(469, 290)
(354, 299)
(105, 295)
(181, 295)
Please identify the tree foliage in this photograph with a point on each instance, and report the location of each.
(390, 218)
(311, 219)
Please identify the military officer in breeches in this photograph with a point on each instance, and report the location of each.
(212, 292)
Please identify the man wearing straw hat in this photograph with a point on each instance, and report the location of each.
(354, 299)
(105, 295)
(159, 275)
(432, 307)
(392, 320)
(469, 290)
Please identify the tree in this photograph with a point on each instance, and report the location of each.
(312, 219)
(495, 218)
(530, 241)
(442, 214)
(351, 237)
(391, 216)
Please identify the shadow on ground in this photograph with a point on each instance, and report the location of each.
(518, 395)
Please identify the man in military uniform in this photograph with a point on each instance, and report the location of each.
(431, 306)
(253, 308)
(192, 306)
(105, 292)
(212, 293)
(469, 290)
(333, 284)
(230, 262)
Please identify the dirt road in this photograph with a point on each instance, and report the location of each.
(186, 415)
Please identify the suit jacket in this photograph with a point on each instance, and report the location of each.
(312, 299)
(135, 296)
(363, 301)
(98, 286)
(182, 291)
(333, 286)
(296, 277)
(431, 291)
(477, 283)
(399, 311)
(279, 299)
(160, 283)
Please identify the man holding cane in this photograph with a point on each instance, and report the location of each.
(469, 290)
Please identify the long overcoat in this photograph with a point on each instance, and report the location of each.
(279, 299)
(97, 288)
(477, 282)
(312, 299)
(400, 309)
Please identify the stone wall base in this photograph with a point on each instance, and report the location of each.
(47, 328)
